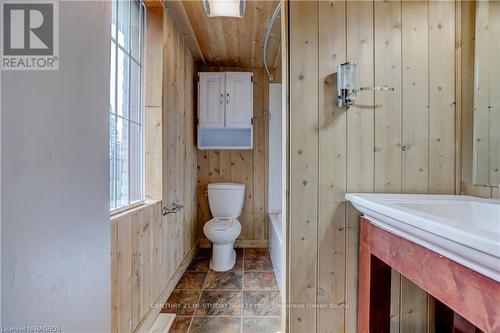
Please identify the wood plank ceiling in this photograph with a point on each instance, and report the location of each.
(236, 42)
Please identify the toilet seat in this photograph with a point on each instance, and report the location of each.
(223, 224)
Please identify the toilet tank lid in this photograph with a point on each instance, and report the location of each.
(226, 186)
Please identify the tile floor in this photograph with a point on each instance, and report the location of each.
(243, 300)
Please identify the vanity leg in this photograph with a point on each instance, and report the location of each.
(374, 306)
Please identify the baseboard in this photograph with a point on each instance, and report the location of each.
(248, 243)
(150, 317)
(162, 323)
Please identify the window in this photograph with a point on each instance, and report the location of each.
(126, 110)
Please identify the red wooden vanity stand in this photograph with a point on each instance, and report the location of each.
(472, 299)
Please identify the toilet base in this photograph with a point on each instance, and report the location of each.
(223, 257)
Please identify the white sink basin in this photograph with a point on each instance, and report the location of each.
(461, 228)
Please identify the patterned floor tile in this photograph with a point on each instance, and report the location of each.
(256, 252)
(182, 302)
(220, 303)
(199, 264)
(238, 265)
(191, 280)
(261, 325)
(260, 281)
(180, 324)
(258, 264)
(261, 303)
(215, 325)
(224, 280)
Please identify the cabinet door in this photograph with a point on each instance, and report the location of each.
(239, 99)
(211, 100)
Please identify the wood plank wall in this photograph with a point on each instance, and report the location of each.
(249, 167)
(135, 261)
(406, 141)
(153, 102)
(179, 158)
(148, 248)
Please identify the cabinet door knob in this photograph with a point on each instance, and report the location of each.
(221, 99)
(227, 98)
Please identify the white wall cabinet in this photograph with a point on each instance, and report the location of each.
(239, 100)
(211, 99)
(225, 110)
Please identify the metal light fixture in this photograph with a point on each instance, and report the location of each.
(224, 8)
(348, 86)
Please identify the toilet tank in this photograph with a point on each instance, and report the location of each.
(226, 199)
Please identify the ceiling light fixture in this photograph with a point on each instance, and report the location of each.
(225, 8)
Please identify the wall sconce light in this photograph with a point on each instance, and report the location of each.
(225, 8)
(348, 86)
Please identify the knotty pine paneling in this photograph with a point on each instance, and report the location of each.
(153, 102)
(304, 172)
(249, 167)
(332, 170)
(179, 150)
(405, 141)
(136, 283)
(148, 248)
(228, 41)
(442, 98)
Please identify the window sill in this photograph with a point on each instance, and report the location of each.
(133, 208)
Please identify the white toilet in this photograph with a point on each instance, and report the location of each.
(226, 203)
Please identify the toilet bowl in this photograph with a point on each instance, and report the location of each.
(222, 232)
(226, 203)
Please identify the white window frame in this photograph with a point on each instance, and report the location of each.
(140, 123)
